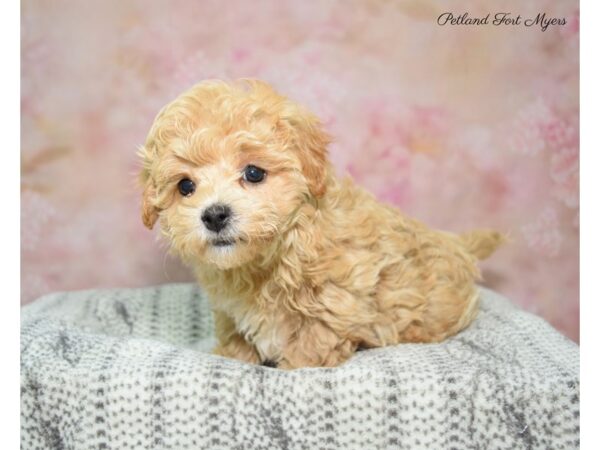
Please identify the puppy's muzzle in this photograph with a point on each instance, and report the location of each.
(216, 217)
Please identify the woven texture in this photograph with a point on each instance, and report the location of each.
(130, 369)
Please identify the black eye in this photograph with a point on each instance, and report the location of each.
(186, 187)
(254, 174)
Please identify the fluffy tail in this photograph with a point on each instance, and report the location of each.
(482, 243)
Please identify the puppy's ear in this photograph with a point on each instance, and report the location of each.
(310, 141)
(149, 209)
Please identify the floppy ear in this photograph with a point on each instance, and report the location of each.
(310, 142)
(149, 209)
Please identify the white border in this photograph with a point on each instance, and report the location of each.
(590, 223)
(10, 213)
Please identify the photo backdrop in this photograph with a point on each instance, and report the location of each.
(459, 126)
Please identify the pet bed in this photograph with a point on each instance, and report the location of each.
(131, 369)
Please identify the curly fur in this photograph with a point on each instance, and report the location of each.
(319, 267)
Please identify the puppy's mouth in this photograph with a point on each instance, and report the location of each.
(222, 242)
(225, 241)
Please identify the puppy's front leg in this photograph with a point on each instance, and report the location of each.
(237, 348)
(316, 345)
(231, 343)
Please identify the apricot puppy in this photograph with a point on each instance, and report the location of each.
(301, 268)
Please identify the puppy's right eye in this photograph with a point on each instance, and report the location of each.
(186, 187)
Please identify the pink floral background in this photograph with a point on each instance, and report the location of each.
(460, 126)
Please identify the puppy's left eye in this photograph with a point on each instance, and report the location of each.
(186, 187)
(254, 174)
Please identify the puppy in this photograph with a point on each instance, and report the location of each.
(301, 268)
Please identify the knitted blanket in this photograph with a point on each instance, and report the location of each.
(131, 369)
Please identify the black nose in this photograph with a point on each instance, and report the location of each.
(216, 217)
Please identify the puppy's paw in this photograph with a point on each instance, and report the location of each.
(269, 363)
(237, 348)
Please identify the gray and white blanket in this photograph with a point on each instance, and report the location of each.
(131, 369)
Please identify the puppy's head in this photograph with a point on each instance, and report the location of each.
(226, 167)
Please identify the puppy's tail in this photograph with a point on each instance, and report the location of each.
(482, 243)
